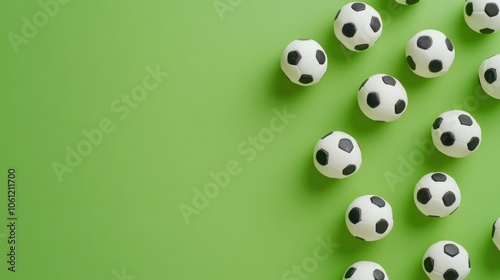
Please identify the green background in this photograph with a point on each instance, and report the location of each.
(116, 214)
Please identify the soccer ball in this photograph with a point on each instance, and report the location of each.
(488, 78)
(358, 26)
(365, 270)
(337, 155)
(456, 133)
(446, 260)
(437, 195)
(304, 62)
(369, 218)
(407, 2)
(430, 53)
(482, 16)
(382, 98)
(495, 235)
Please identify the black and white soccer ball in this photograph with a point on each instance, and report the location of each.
(489, 76)
(369, 218)
(365, 270)
(304, 62)
(482, 16)
(408, 2)
(495, 235)
(437, 195)
(357, 26)
(382, 98)
(456, 133)
(337, 155)
(429, 53)
(446, 260)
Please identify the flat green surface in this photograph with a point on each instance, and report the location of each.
(115, 213)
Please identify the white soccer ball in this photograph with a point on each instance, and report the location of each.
(495, 235)
(456, 133)
(437, 195)
(304, 62)
(382, 98)
(369, 218)
(337, 155)
(365, 270)
(482, 16)
(488, 76)
(407, 2)
(357, 26)
(429, 53)
(446, 260)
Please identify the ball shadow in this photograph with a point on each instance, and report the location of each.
(351, 246)
(491, 254)
(285, 90)
(360, 124)
(437, 160)
(467, 35)
(337, 52)
(315, 181)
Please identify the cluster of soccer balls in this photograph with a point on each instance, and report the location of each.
(381, 97)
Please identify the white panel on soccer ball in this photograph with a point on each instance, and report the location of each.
(446, 260)
(429, 53)
(382, 98)
(365, 270)
(304, 62)
(482, 16)
(369, 218)
(357, 26)
(456, 133)
(337, 155)
(489, 79)
(437, 195)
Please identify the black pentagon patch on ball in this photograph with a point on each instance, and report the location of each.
(388, 80)
(411, 2)
(469, 262)
(349, 272)
(437, 123)
(438, 177)
(473, 143)
(330, 133)
(346, 145)
(361, 47)
(448, 139)
(487, 31)
(465, 120)
(451, 250)
(378, 275)
(320, 57)
(306, 79)
(493, 230)
(449, 199)
(358, 7)
(424, 195)
(411, 63)
(399, 107)
(435, 66)
(375, 24)
(363, 84)
(377, 201)
(355, 215)
(469, 9)
(337, 15)
(372, 100)
(322, 157)
(351, 168)
(490, 75)
(429, 264)
(491, 9)
(450, 274)
(449, 44)
(293, 58)
(424, 42)
(349, 30)
(381, 226)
